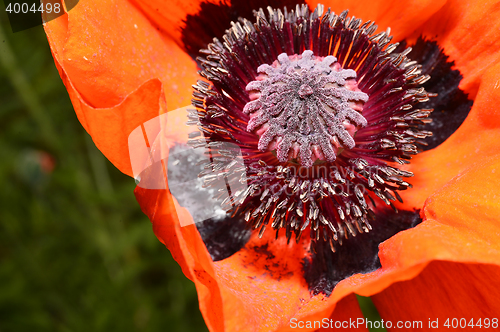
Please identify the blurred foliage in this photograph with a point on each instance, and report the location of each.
(76, 252)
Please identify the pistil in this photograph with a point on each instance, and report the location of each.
(305, 108)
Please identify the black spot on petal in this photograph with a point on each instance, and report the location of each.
(264, 250)
(325, 269)
(213, 20)
(452, 105)
(224, 237)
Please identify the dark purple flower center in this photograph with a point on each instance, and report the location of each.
(320, 112)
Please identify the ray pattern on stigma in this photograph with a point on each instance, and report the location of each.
(334, 199)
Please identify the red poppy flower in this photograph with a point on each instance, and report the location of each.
(125, 63)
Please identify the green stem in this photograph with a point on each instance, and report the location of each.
(372, 317)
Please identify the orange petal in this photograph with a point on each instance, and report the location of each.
(266, 284)
(187, 249)
(469, 32)
(460, 225)
(346, 316)
(109, 71)
(105, 60)
(170, 16)
(244, 292)
(472, 212)
(110, 127)
(476, 139)
(229, 299)
(444, 293)
(403, 17)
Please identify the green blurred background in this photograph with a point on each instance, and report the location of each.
(76, 252)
